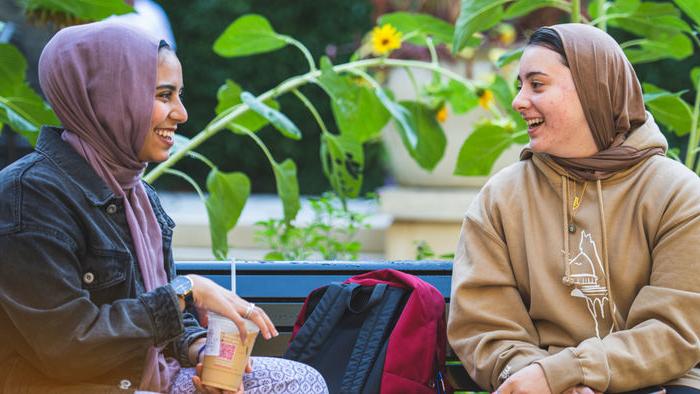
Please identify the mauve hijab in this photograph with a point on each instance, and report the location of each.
(100, 79)
(611, 98)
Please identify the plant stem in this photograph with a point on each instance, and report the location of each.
(202, 158)
(575, 11)
(303, 49)
(188, 179)
(602, 20)
(602, 11)
(630, 43)
(433, 52)
(286, 86)
(312, 109)
(413, 80)
(259, 142)
(694, 138)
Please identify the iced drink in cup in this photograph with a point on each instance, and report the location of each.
(225, 356)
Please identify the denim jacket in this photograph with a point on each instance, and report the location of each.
(72, 302)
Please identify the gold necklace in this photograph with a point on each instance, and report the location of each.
(576, 203)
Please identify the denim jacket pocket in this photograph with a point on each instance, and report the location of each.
(104, 275)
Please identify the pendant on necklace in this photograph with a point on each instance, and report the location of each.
(572, 228)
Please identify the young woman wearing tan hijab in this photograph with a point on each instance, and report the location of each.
(576, 268)
(89, 300)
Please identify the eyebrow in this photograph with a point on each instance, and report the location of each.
(532, 74)
(168, 86)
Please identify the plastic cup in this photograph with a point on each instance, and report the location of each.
(225, 356)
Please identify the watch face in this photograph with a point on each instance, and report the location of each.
(181, 285)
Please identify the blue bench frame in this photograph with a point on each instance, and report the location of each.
(280, 288)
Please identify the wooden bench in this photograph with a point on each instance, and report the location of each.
(281, 287)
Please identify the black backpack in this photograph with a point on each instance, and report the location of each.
(344, 332)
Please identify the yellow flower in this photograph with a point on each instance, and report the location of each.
(385, 39)
(441, 114)
(485, 98)
(506, 34)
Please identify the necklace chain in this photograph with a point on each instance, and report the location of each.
(576, 203)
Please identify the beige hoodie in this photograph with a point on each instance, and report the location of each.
(634, 250)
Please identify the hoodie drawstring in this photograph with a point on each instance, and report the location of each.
(611, 303)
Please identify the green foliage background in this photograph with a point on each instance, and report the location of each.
(196, 24)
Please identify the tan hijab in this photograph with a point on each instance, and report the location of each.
(611, 98)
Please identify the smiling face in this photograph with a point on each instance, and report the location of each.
(168, 110)
(548, 102)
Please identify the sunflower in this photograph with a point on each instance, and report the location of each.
(385, 39)
(441, 114)
(485, 98)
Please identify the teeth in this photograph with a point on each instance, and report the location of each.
(534, 121)
(165, 133)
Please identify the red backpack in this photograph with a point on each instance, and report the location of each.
(379, 332)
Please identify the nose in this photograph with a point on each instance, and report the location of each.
(520, 101)
(179, 113)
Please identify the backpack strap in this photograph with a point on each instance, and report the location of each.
(320, 323)
(370, 338)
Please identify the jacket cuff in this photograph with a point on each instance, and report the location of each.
(562, 370)
(164, 309)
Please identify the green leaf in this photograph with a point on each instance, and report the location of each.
(274, 256)
(461, 97)
(90, 10)
(282, 123)
(430, 138)
(476, 15)
(502, 91)
(401, 115)
(248, 35)
(651, 20)
(677, 47)
(343, 162)
(287, 188)
(481, 149)
(229, 96)
(509, 57)
(524, 7)
(691, 8)
(357, 110)
(228, 193)
(669, 110)
(20, 107)
(695, 78)
(425, 25)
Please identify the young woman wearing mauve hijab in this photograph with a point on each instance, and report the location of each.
(89, 301)
(576, 270)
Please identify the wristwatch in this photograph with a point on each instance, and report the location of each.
(183, 288)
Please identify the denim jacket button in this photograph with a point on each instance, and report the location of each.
(124, 384)
(88, 277)
(111, 209)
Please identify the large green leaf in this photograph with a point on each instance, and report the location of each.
(248, 35)
(668, 109)
(440, 31)
(677, 47)
(281, 122)
(481, 149)
(652, 20)
(401, 115)
(20, 107)
(357, 110)
(691, 8)
(229, 96)
(476, 15)
(343, 163)
(431, 140)
(91, 10)
(461, 97)
(228, 193)
(524, 7)
(287, 188)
